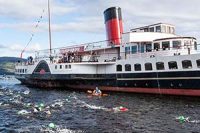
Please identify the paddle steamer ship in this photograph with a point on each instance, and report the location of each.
(149, 59)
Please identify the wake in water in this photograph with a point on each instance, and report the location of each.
(82, 103)
(24, 109)
(19, 101)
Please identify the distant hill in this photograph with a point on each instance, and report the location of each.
(7, 65)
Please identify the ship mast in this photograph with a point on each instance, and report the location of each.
(49, 27)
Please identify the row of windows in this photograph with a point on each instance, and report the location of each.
(176, 44)
(158, 28)
(186, 64)
(63, 66)
(21, 70)
(165, 45)
(164, 29)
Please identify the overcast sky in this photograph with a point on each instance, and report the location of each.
(82, 21)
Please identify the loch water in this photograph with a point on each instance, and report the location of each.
(24, 109)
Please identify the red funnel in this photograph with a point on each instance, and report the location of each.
(113, 22)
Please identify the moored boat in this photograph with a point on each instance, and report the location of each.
(148, 59)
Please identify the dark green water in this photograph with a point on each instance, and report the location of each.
(75, 111)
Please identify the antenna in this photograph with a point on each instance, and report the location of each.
(49, 27)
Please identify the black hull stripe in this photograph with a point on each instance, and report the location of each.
(169, 80)
(174, 78)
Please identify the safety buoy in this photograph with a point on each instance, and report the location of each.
(123, 109)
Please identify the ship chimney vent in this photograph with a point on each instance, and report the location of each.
(113, 24)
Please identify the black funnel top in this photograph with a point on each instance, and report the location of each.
(112, 13)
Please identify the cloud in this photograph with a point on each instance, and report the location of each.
(14, 50)
(2, 46)
(183, 14)
(87, 16)
(86, 24)
(31, 49)
(23, 9)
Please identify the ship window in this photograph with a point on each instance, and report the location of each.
(148, 47)
(137, 67)
(66, 66)
(198, 63)
(127, 50)
(70, 66)
(127, 67)
(165, 45)
(55, 66)
(60, 66)
(195, 45)
(160, 66)
(173, 65)
(119, 67)
(151, 29)
(187, 43)
(142, 48)
(22, 70)
(176, 44)
(148, 66)
(156, 46)
(186, 64)
(133, 49)
(146, 29)
(158, 29)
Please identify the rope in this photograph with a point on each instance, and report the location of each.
(32, 34)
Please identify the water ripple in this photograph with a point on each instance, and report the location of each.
(24, 109)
